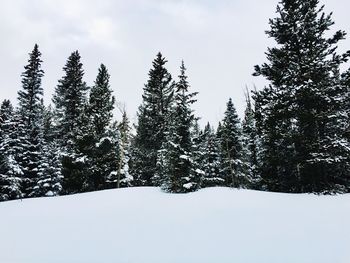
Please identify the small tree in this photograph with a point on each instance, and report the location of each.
(211, 162)
(230, 133)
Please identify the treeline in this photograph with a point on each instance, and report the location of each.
(294, 136)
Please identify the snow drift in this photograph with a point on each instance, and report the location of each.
(144, 225)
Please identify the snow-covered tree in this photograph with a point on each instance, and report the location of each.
(71, 123)
(152, 122)
(176, 157)
(11, 173)
(230, 138)
(304, 148)
(30, 107)
(101, 139)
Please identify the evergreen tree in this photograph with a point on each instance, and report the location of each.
(71, 123)
(211, 162)
(102, 138)
(304, 148)
(178, 174)
(153, 115)
(11, 173)
(230, 133)
(30, 106)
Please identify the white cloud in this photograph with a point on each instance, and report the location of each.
(220, 41)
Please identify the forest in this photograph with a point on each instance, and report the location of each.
(294, 136)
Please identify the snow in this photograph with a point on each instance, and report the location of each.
(199, 171)
(145, 225)
(188, 185)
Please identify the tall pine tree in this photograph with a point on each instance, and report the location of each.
(70, 123)
(102, 139)
(304, 147)
(30, 107)
(177, 172)
(153, 116)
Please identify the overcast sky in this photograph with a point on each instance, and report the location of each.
(219, 40)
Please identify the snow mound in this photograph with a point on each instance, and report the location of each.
(144, 225)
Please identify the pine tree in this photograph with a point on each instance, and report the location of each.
(304, 149)
(71, 123)
(153, 115)
(102, 138)
(178, 174)
(230, 139)
(30, 106)
(211, 162)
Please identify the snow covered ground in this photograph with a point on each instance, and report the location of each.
(144, 225)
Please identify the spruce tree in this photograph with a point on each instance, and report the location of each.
(178, 173)
(304, 148)
(70, 123)
(153, 116)
(102, 139)
(30, 107)
(230, 139)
